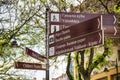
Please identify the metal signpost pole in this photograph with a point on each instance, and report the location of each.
(47, 64)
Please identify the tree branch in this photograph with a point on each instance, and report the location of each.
(78, 64)
(99, 60)
(18, 29)
(118, 5)
(90, 58)
(68, 66)
(81, 67)
(105, 6)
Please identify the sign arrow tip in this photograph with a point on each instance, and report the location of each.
(115, 31)
(100, 37)
(114, 19)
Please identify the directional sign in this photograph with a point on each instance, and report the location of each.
(77, 30)
(64, 20)
(111, 32)
(78, 43)
(33, 66)
(35, 54)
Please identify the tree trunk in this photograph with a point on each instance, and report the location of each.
(77, 74)
(86, 77)
(69, 74)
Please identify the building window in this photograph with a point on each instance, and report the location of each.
(119, 55)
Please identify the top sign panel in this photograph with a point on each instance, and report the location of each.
(64, 18)
(71, 18)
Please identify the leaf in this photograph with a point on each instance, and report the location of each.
(116, 10)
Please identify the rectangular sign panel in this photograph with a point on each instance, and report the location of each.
(78, 43)
(35, 54)
(76, 30)
(64, 20)
(33, 66)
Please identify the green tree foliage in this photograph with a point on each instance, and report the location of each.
(23, 21)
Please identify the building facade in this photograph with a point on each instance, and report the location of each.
(110, 75)
(112, 72)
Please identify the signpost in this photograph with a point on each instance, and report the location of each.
(64, 20)
(33, 66)
(35, 55)
(67, 32)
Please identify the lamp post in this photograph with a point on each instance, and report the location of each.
(14, 43)
(106, 70)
